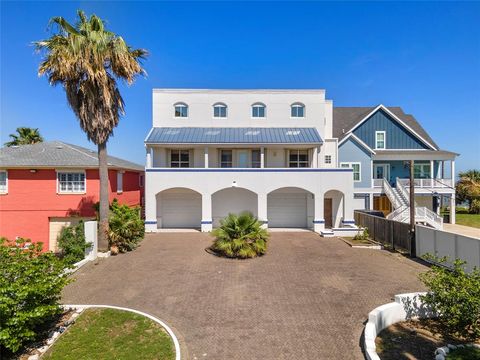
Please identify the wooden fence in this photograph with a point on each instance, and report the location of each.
(391, 234)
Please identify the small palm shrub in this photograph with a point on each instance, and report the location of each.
(364, 235)
(71, 243)
(126, 227)
(240, 236)
(454, 295)
(31, 282)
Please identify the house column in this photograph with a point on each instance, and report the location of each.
(432, 169)
(452, 209)
(348, 218)
(370, 201)
(315, 157)
(206, 223)
(452, 172)
(148, 160)
(150, 207)
(318, 215)
(262, 209)
(205, 152)
(262, 157)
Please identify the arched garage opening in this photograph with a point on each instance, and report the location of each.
(290, 207)
(179, 208)
(233, 201)
(333, 208)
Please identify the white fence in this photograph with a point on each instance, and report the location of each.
(453, 246)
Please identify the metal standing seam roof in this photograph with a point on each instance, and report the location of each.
(244, 135)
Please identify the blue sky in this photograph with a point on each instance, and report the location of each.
(423, 56)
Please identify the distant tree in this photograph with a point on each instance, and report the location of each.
(86, 59)
(25, 136)
(468, 189)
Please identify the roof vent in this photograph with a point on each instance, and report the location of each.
(343, 131)
(59, 147)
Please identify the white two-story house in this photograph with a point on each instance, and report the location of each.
(269, 152)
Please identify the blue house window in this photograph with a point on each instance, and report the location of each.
(380, 142)
(258, 110)
(297, 111)
(356, 169)
(181, 110)
(220, 111)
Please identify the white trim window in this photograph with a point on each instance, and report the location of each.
(357, 169)
(421, 171)
(219, 110)
(3, 181)
(179, 158)
(297, 110)
(328, 159)
(298, 159)
(120, 181)
(181, 110)
(258, 110)
(226, 158)
(380, 140)
(71, 182)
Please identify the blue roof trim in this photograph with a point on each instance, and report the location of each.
(250, 135)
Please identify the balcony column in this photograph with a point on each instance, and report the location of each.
(262, 209)
(262, 157)
(315, 157)
(148, 160)
(318, 215)
(452, 209)
(206, 223)
(205, 152)
(452, 172)
(432, 169)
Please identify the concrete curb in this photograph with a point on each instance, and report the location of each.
(158, 321)
(406, 306)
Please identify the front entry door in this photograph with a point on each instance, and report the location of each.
(327, 213)
(381, 171)
(242, 158)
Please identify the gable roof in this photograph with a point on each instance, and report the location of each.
(346, 118)
(57, 154)
(241, 135)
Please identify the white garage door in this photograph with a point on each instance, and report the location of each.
(288, 210)
(181, 210)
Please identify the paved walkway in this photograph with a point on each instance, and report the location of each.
(462, 230)
(307, 299)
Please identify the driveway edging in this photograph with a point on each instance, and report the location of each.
(151, 317)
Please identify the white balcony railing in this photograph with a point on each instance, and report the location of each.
(428, 183)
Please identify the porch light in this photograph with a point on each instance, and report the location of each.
(234, 184)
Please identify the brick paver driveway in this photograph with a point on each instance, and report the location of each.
(307, 299)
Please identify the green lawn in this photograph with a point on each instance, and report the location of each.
(112, 334)
(464, 218)
(464, 354)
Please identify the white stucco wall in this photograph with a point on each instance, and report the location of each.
(233, 200)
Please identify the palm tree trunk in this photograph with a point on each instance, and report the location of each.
(104, 205)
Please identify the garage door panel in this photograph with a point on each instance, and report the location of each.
(287, 210)
(181, 210)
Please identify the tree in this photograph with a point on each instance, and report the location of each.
(468, 189)
(25, 136)
(87, 60)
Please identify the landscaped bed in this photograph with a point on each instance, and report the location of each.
(418, 339)
(112, 334)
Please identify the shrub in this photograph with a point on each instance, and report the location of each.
(240, 236)
(71, 243)
(455, 296)
(475, 206)
(126, 227)
(364, 235)
(30, 287)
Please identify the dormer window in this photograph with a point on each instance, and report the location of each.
(380, 141)
(181, 110)
(258, 110)
(297, 110)
(220, 110)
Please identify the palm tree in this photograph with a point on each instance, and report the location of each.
(25, 136)
(86, 59)
(468, 188)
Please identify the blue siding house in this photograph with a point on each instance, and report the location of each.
(378, 143)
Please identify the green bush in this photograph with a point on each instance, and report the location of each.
(71, 243)
(364, 235)
(240, 236)
(30, 287)
(475, 206)
(126, 227)
(455, 296)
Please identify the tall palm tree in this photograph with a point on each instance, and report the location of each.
(468, 187)
(25, 136)
(87, 60)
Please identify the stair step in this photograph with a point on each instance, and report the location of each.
(327, 233)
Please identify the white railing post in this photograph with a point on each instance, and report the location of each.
(91, 237)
